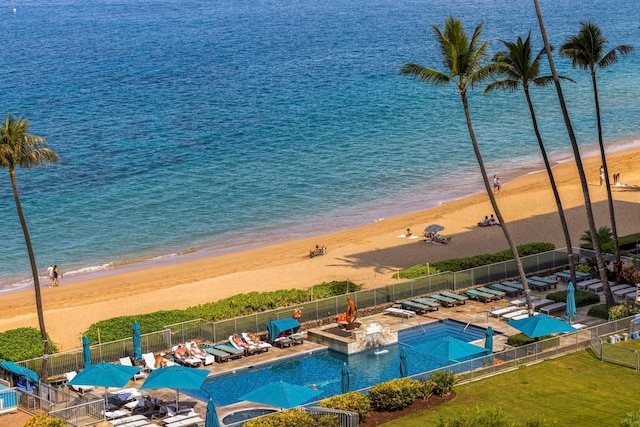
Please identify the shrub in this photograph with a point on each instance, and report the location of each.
(118, 328)
(352, 402)
(328, 421)
(582, 268)
(494, 417)
(629, 274)
(22, 344)
(631, 420)
(623, 310)
(583, 298)
(443, 382)
(600, 311)
(518, 340)
(292, 418)
(458, 264)
(44, 420)
(395, 394)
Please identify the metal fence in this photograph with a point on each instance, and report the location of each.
(85, 414)
(203, 330)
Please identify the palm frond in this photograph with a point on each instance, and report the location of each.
(424, 74)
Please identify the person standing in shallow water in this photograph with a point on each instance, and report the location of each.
(50, 274)
(56, 276)
(601, 175)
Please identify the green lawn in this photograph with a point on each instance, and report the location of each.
(573, 390)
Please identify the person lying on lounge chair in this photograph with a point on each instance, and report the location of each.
(250, 338)
(238, 341)
(195, 351)
(160, 361)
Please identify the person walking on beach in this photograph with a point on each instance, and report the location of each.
(601, 175)
(496, 184)
(56, 276)
(50, 274)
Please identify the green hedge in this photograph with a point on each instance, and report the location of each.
(292, 418)
(238, 305)
(459, 264)
(23, 344)
(583, 298)
(600, 311)
(352, 402)
(395, 394)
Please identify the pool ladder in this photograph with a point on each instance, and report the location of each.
(474, 316)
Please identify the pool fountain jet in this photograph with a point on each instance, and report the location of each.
(372, 334)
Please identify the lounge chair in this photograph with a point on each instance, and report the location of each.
(538, 286)
(199, 353)
(130, 420)
(547, 280)
(481, 296)
(118, 413)
(502, 311)
(218, 355)
(80, 389)
(512, 284)
(491, 291)
(539, 303)
(596, 287)
(126, 361)
(511, 315)
(524, 316)
(184, 358)
(428, 302)
(446, 301)
(621, 290)
(509, 291)
(416, 306)
(150, 361)
(454, 296)
(283, 342)
(231, 350)
(242, 345)
(261, 344)
(585, 283)
(523, 301)
(547, 309)
(400, 312)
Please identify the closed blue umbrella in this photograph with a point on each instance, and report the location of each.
(488, 339)
(86, 351)
(404, 367)
(570, 310)
(346, 380)
(281, 394)
(211, 420)
(137, 347)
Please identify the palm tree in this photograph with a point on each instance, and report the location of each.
(19, 149)
(521, 70)
(586, 51)
(604, 236)
(576, 154)
(463, 59)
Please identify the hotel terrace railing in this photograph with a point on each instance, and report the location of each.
(204, 330)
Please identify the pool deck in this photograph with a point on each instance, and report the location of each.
(472, 312)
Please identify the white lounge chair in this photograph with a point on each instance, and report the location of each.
(126, 361)
(150, 361)
(81, 389)
(501, 311)
(400, 312)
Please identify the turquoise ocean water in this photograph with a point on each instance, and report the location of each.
(204, 127)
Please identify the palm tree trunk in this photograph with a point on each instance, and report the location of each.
(44, 375)
(576, 153)
(554, 187)
(603, 156)
(494, 204)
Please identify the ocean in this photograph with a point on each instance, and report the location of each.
(194, 128)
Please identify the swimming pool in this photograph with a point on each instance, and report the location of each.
(323, 368)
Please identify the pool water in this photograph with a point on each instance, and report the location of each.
(323, 368)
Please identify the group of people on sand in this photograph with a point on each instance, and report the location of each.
(486, 222)
(54, 276)
(317, 251)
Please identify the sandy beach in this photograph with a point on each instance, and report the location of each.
(367, 255)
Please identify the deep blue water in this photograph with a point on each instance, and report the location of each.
(211, 126)
(324, 368)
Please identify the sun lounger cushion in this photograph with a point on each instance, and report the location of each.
(501, 311)
(400, 312)
(553, 307)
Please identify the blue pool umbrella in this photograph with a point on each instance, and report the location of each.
(281, 394)
(105, 374)
(137, 347)
(570, 310)
(176, 377)
(540, 325)
(346, 380)
(211, 420)
(452, 349)
(488, 339)
(404, 367)
(86, 351)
